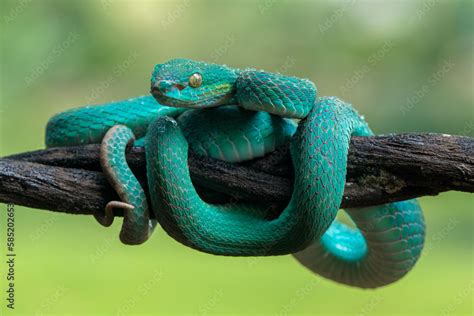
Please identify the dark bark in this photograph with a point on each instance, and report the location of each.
(380, 169)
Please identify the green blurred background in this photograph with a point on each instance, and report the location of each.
(406, 65)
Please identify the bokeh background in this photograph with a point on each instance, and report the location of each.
(406, 65)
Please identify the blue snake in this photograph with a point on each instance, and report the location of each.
(237, 115)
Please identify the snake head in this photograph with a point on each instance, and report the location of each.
(193, 84)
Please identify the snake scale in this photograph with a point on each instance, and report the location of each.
(237, 115)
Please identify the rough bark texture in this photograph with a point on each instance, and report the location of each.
(380, 169)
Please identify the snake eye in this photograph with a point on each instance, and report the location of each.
(195, 80)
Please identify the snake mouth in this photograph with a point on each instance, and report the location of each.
(168, 92)
(171, 93)
(166, 87)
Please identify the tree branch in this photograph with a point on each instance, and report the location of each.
(380, 169)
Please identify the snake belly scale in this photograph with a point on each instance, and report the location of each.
(237, 115)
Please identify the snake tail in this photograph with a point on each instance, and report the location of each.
(137, 225)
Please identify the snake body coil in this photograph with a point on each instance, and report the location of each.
(236, 115)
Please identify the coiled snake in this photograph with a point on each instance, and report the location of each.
(237, 115)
